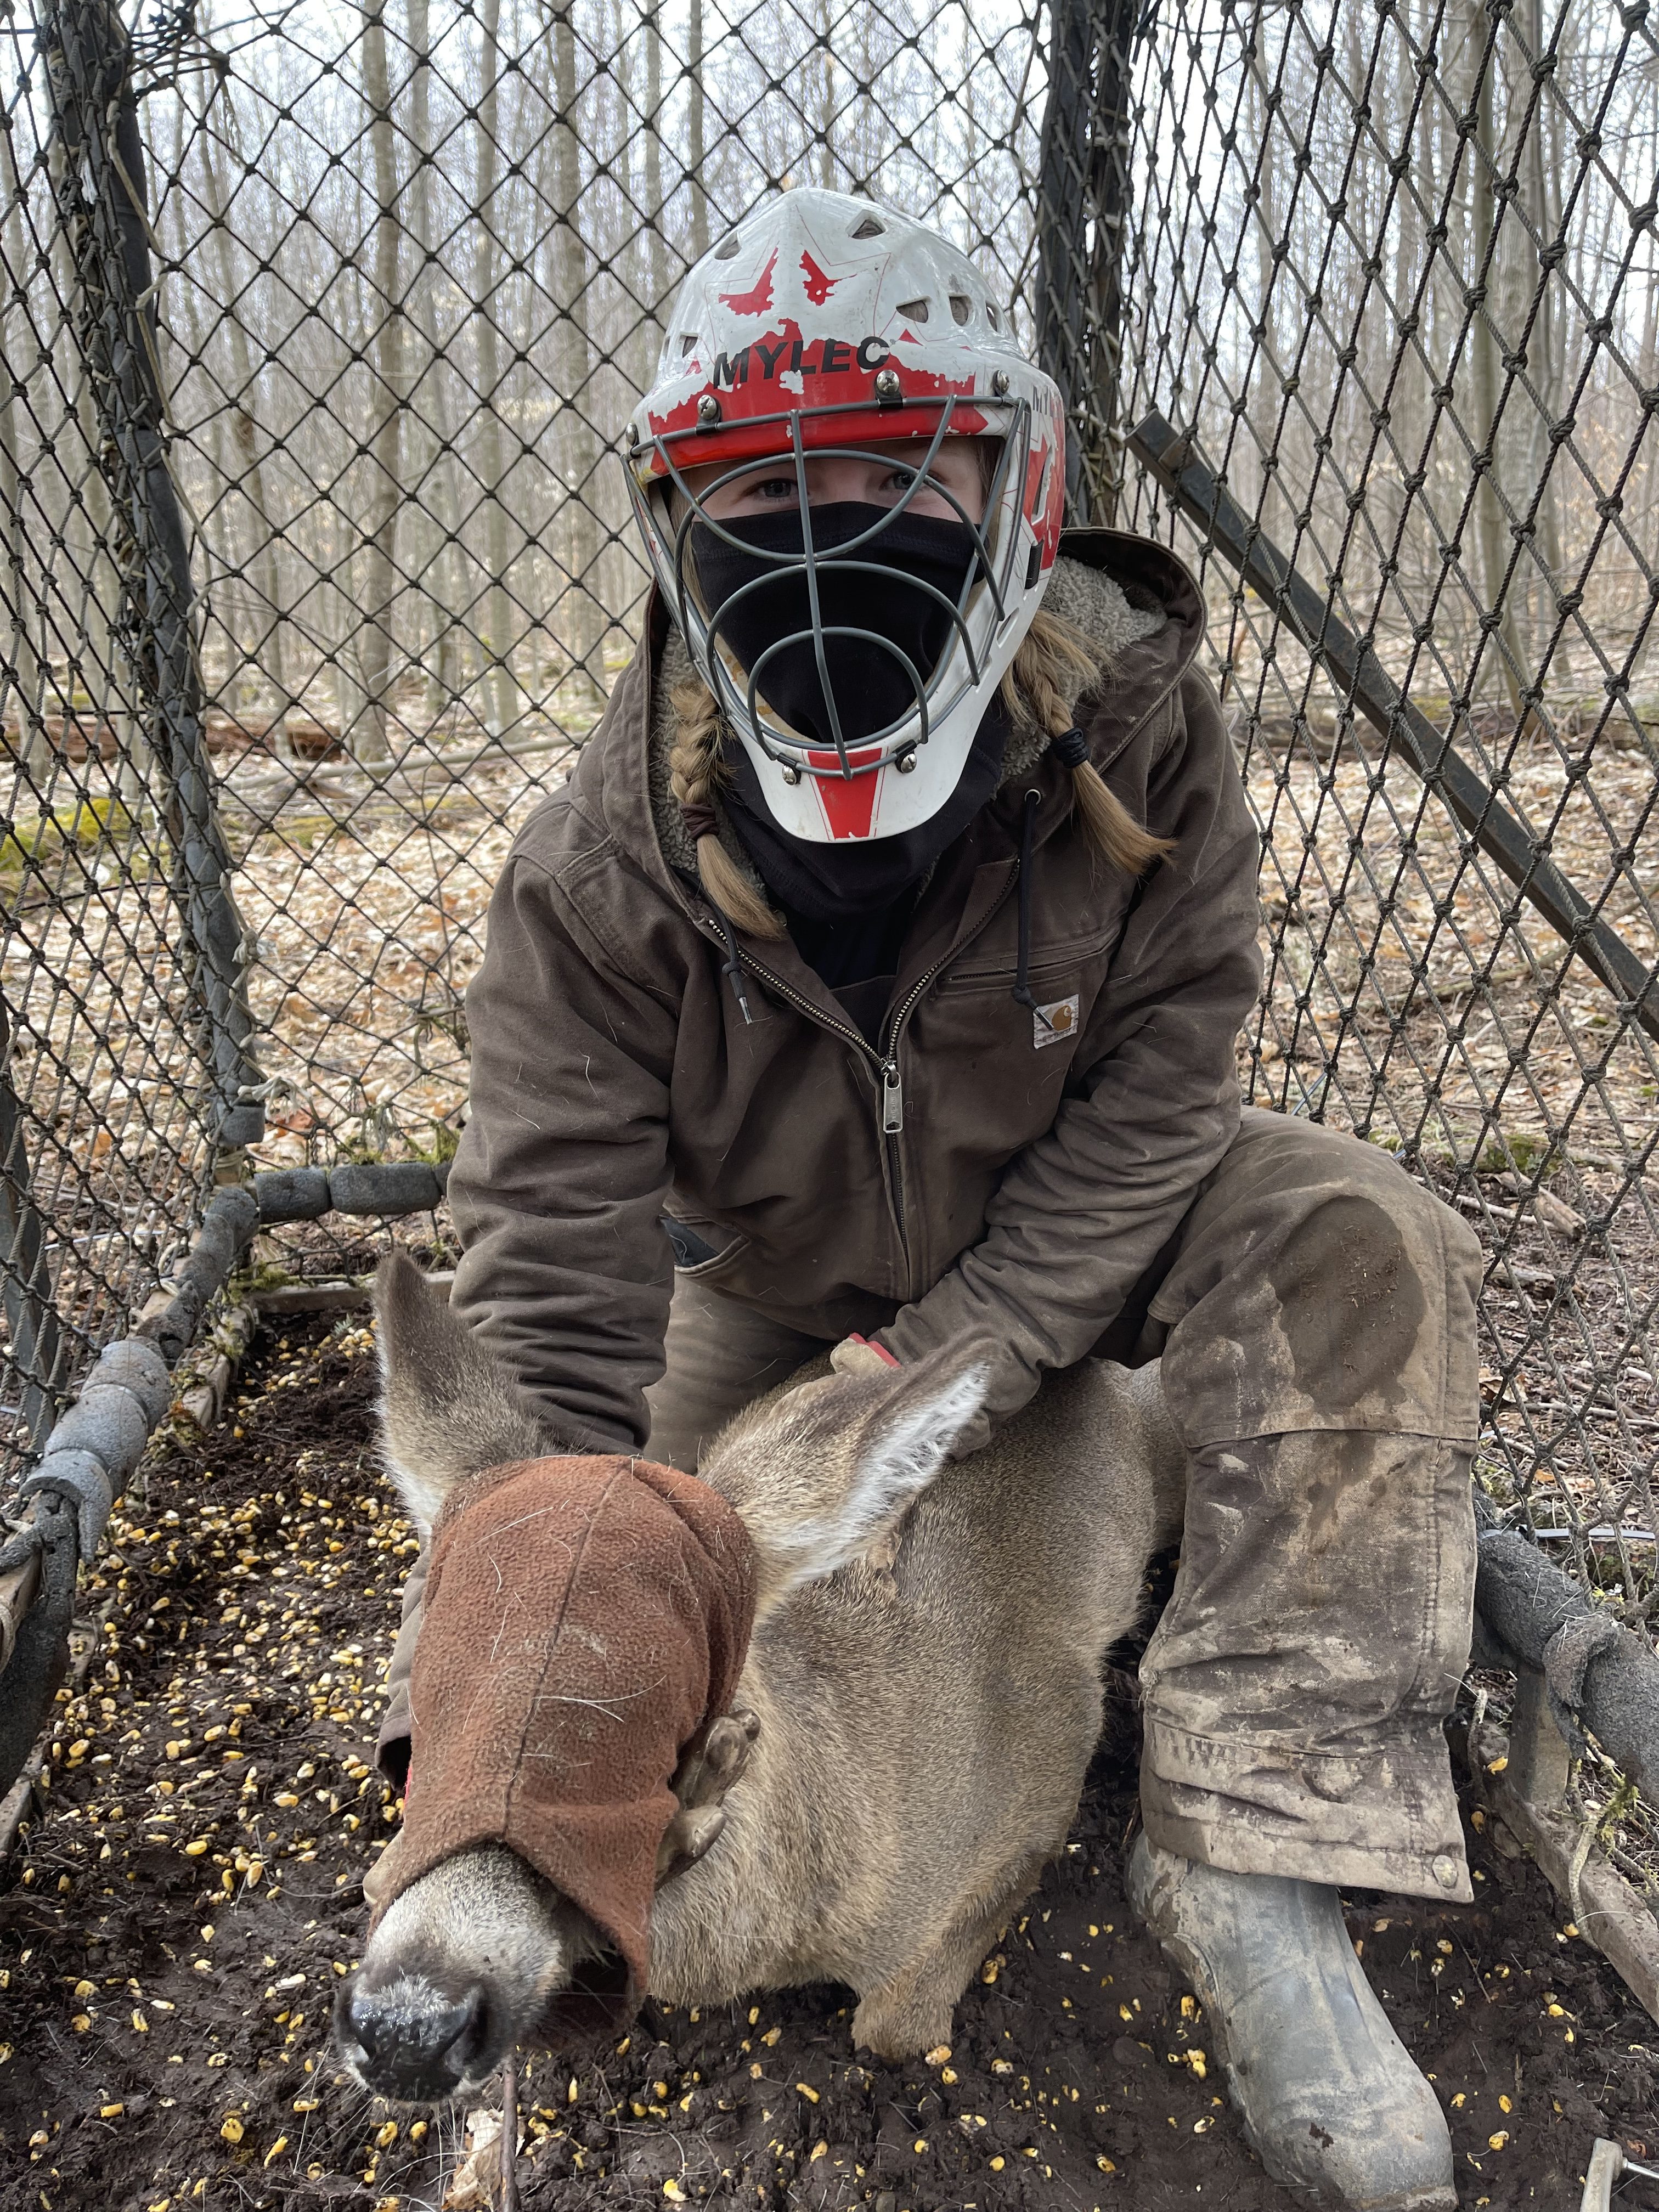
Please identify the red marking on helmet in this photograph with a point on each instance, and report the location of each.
(747, 389)
(818, 286)
(758, 299)
(1046, 520)
(849, 806)
(743, 441)
(1054, 516)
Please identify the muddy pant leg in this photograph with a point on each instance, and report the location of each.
(721, 1357)
(1320, 1366)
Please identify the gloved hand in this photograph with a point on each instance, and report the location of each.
(856, 1355)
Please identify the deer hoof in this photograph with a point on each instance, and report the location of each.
(689, 1834)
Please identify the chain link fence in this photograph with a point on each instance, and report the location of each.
(320, 327)
(1392, 344)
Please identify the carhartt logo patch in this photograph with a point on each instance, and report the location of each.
(1055, 1023)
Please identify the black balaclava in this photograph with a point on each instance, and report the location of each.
(848, 904)
(870, 687)
(864, 875)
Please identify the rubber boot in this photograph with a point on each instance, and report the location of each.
(1331, 2099)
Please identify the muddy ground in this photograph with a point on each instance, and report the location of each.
(188, 1899)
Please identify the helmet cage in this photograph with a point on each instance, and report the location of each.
(979, 617)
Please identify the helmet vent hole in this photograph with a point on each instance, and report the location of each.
(869, 228)
(914, 311)
(961, 308)
(688, 339)
(992, 317)
(727, 248)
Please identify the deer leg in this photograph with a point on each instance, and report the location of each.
(701, 1782)
(913, 2010)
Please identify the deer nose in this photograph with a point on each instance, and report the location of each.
(412, 2042)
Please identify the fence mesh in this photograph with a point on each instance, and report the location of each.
(1385, 275)
(1392, 271)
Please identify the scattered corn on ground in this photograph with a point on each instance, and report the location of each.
(187, 1901)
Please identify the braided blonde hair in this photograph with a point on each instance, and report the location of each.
(1052, 650)
(695, 769)
(1054, 656)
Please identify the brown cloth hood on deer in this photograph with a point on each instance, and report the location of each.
(586, 1619)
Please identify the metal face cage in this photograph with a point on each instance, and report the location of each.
(668, 512)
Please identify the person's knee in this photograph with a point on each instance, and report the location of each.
(1362, 1215)
(1372, 1282)
(1439, 1243)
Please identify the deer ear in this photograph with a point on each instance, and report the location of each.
(899, 1433)
(903, 1445)
(446, 1408)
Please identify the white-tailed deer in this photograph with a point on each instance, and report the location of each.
(923, 1728)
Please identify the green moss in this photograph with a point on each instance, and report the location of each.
(88, 822)
(1522, 1152)
(445, 1143)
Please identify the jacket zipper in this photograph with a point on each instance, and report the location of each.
(885, 1062)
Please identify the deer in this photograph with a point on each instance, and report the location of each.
(921, 1696)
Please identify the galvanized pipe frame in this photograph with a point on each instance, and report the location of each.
(1084, 185)
(87, 1460)
(1529, 1610)
(1579, 1673)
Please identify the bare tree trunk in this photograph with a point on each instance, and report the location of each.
(1485, 393)
(86, 530)
(370, 739)
(1264, 379)
(579, 621)
(21, 663)
(823, 69)
(1409, 406)
(500, 690)
(656, 244)
(696, 149)
(266, 648)
(1541, 195)
(438, 562)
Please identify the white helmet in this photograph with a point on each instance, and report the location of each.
(824, 324)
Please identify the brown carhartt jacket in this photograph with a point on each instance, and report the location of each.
(978, 1171)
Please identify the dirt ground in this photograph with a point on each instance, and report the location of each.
(174, 1928)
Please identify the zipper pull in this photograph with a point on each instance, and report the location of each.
(892, 1099)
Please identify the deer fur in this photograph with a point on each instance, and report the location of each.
(923, 1729)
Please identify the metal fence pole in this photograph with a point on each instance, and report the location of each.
(37, 1340)
(99, 177)
(1083, 198)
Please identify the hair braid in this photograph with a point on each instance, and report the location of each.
(1051, 651)
(694, 771)
(1054, 657)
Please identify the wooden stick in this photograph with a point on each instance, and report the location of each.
(508, 2138)
(17, 1591)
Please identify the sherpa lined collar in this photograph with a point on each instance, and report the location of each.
(586, 1619)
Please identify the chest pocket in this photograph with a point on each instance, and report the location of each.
(1074, 963)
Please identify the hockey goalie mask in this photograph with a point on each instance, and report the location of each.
(854, 645)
